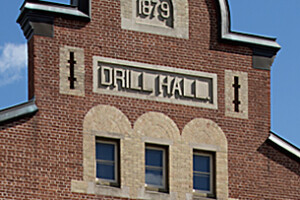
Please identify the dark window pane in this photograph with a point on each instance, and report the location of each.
(154, 177)
(201, 163)
(201, 182)
(154, 157)
(106, 171)
(105, 151)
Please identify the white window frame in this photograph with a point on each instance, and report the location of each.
(164, 149)
(211, 173)
(116, 181)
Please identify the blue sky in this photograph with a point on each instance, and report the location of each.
(275, 18)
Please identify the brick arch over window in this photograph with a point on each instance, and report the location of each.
(102, 121)
(156, 125)
(106, 119)
(158, 129)
(205, 135)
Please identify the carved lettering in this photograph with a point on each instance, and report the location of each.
(156, 12)
(167, 85)
(177, 86)
(188, 86)
(202, 90)
(106, 75)
(135, 80)
(119, 77)
(148, 82)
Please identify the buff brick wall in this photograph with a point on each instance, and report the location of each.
(41, 155)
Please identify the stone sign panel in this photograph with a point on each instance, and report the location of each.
(157, 83)
(156, 12)
(162, 17)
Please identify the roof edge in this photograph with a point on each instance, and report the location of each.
(60, 9)
(256, 40)
(37, 17)
(284, 144)
(18, 111)
(54, 8)
(82, 9)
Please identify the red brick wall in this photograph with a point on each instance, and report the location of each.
(40, 155)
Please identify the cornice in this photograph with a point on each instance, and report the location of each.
(18, 111)
(37, 17)
(282, 143)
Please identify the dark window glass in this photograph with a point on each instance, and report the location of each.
(154, 157)
(105, 151)
(201, 163)
(106, 171)
(202, 173)
(107, 161)
(155, 169)
(202, 182)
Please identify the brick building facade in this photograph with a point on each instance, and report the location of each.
(144, 99)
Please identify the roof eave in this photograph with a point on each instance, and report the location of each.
(254, 40)
(18, 111)
(282, 143)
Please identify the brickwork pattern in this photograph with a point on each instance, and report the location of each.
(41, 155)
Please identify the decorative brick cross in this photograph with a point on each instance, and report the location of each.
(236, 100)
(72, 78)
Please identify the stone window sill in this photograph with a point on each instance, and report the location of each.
(95, 188)
(202, 196)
